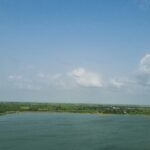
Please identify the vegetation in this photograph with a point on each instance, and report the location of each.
(10, 107)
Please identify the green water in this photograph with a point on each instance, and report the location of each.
(55, 131)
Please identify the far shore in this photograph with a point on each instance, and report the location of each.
(99, 109)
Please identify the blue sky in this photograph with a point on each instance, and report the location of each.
(79, 51)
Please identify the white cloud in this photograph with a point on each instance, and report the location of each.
(143, 74)
(145, 64)
(15, 77)
(85, 78)
(22, 82)
(46, 80)
(61, 81)
(138, 79)
(116, 83)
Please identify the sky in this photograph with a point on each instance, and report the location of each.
(75, 51)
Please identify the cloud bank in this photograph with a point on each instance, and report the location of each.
(81, 77)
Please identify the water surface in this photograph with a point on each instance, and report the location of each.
(66, 131)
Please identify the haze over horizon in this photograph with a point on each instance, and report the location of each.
(75, 51)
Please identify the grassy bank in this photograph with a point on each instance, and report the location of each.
(11, 107)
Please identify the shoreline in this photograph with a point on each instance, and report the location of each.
(59, 112)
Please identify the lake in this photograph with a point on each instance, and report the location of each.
(68, 131)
